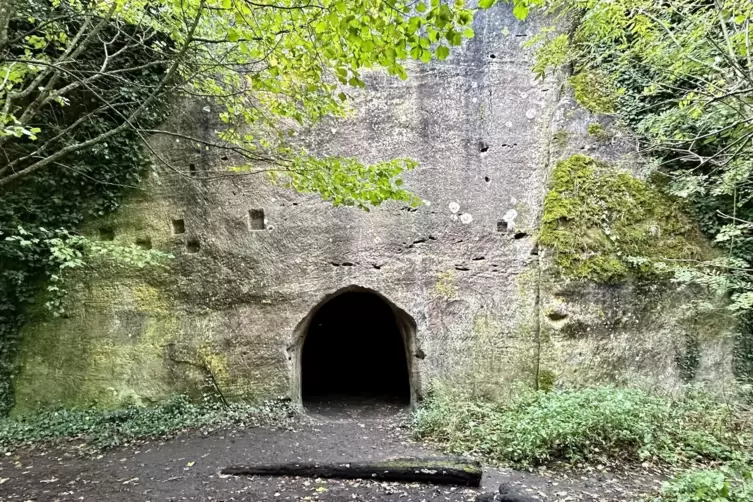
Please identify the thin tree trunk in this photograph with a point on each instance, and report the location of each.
(6, 12)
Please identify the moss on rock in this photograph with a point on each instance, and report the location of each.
(597, 131)
(108, 353)
(607, 226)
(594, 92)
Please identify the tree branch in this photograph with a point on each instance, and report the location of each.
(6, 12)
(128, 122)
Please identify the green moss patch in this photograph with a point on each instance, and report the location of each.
(597, 131)
(607, 226)
(594, 92)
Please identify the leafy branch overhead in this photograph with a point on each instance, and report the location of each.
(267, 69)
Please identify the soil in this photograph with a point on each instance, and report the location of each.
(187, 467)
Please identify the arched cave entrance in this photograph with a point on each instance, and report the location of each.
(355, 348)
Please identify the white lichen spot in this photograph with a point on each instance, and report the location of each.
(466, 218)
(475, 100)
(524, 95)
(508, 124)
(513, 200)
(509, 218)
(454, 207)
(474, 85)
(454, 217)
(531, 114)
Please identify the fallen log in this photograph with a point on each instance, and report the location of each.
(436, 470)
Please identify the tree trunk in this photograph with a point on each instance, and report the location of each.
(6, 11)
(437, 470)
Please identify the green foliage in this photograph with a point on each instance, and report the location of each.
(590, 424)
(40, 215)
(682, 74)
(592, 91)
(605, 225)
(726, 484)
(348, 182)
(105, 429)
(267, 70)
(547, 379)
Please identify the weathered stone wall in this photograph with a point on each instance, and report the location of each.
(643, 330)
(479, 124)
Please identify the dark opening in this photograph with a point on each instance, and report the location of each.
(354, 350)
(256, 219)
(193, 245)
(501, 226)
(179, 227)
(144, 243)
(192, 169)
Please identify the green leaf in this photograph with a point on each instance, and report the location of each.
(442, 52)
(485, 4)
(520, 11)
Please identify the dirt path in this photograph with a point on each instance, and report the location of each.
(186, 468)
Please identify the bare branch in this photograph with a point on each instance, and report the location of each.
(6, 12)
(128, 123)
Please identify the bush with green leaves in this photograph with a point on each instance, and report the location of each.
(104, 429)
(726, 484)
(590, 424)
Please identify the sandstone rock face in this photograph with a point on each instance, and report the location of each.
(253, 261)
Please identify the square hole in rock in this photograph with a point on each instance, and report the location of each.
(502, 226)
(256, 219)
(179, 227)
(144, 242)
(192, 169)
(193, 245)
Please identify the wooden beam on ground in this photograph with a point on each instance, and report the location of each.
(436, 470)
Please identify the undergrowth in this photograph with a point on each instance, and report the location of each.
(725, 484)
(102, 429)
(597, 424)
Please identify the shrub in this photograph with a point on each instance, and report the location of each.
(596, 423)
(103, 429)
(717, 485)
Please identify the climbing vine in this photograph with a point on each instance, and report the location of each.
(40, 217)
